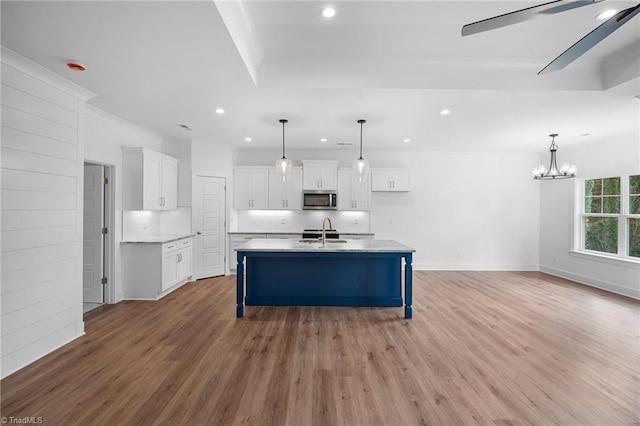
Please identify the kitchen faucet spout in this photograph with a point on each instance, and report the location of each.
(324, 233)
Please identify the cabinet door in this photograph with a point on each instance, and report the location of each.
(277, 189)
(169, 185)
(400, 181)
(151, 181)
(361, 194)
(169, 270)
(380, 181)
(184, 264)
(242, 189)
(293, 190)
(311, 176)
(250, 189)
(260, 189)
(328, 177)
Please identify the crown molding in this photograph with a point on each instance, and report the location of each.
(12, 59)
(90, 109)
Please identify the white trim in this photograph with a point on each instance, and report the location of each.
(602, 285)
(31, 360)
(474, 267)
(12, 59)
(627, 262)
(120, 121)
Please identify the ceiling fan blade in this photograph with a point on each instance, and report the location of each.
(522, 15)
(591, 39)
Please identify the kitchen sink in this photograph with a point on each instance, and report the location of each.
(317, 240)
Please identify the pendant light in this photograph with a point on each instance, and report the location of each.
(566, 171)
(361, 166)
(283, 165)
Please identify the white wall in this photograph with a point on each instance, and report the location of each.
(475, 211)
(42, 189)
(105, 135)
(617, 156)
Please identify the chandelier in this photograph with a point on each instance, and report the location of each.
(566, 171)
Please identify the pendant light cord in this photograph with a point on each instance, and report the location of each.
(283, 121)
(361, 123)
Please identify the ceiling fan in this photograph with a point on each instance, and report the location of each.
(553, 7)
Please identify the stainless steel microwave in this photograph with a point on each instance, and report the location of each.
(319, 200)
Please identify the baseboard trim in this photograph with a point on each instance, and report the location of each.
(591, 282)
(474, 267)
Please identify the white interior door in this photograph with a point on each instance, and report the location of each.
(209, 224)
(93, 244)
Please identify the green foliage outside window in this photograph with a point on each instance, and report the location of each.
(601, 196)
(633, 224)
(634, 237)
(601, 234)
(634, 194)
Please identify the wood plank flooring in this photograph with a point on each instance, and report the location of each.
(501, 348)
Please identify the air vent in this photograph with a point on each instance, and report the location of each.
(344, 144)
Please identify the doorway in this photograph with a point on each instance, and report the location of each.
(96, 242)
(209, 212)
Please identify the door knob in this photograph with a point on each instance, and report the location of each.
(199, 233)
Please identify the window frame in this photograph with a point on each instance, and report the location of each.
(622, 217)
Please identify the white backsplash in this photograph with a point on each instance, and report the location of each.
(152, 223)
(296, 221)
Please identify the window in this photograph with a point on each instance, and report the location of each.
(610, 216)
(633, 221)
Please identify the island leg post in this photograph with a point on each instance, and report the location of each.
(408, 286)
(240, 286)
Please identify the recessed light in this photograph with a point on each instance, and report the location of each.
(445, 112)
(323, 140)
(606, 14)
(219, 111)
(248, 139)
(328, 12)
(406, 140)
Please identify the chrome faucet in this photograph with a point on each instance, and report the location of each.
(324, 233)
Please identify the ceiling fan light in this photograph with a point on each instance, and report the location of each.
(606, 14)
(328, 12)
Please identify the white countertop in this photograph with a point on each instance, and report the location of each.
(158, 239)
(284, 245)
(291, 233)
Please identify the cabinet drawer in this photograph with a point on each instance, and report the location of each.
(167, 247)
(176, 245)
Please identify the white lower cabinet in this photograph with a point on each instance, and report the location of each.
(235, 241)
(176, 262)
(151, 270)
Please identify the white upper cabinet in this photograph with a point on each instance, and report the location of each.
(352, 194)
(390, 180)
(150, 180)
(285, 195)
(250, 188)
(320, 175)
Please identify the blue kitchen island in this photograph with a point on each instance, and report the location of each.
(273, 272)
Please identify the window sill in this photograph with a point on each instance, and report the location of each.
(612, 260)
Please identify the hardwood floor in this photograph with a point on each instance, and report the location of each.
(503, 348)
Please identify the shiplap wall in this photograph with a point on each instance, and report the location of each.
(41, 191)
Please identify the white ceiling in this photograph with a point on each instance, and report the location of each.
(396, 64)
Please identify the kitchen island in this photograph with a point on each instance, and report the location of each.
(283, 272)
